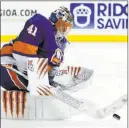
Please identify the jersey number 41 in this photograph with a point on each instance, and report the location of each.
(32, 30)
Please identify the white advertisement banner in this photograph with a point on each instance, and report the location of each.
(90, 17)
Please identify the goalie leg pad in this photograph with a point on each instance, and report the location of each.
(20, 105)
(37, 69)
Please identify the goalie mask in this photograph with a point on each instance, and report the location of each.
(62, 20)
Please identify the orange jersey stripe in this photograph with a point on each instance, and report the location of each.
(25, 48)
(6, 50)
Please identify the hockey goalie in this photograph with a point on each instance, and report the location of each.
(37, 84)
(33, 61)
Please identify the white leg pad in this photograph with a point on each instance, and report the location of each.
(21, 105)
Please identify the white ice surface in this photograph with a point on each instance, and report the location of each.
(109, 62)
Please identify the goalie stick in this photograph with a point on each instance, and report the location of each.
(84, 107)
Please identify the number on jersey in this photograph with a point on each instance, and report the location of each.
(32, 30)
